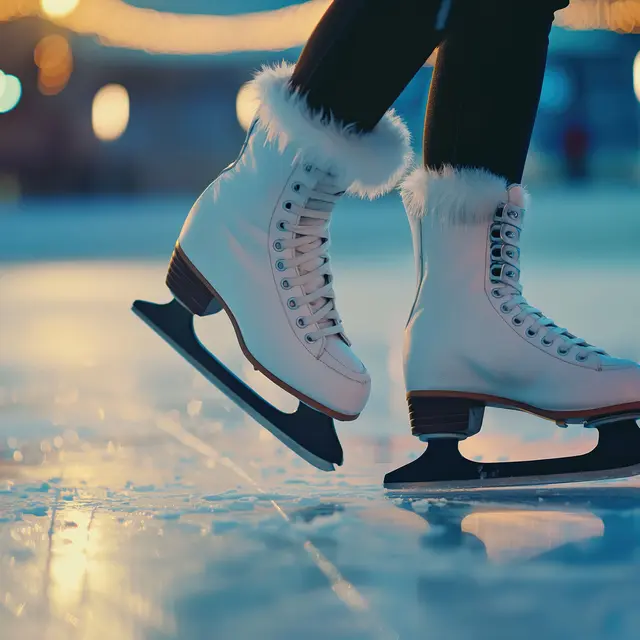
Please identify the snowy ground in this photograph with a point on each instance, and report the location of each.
(137, 503)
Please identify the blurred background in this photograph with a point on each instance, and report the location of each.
(138, 502)
(107, 96)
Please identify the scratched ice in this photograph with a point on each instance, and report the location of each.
(136, 502)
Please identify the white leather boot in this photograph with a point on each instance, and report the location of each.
(472, 339)
(257, 242)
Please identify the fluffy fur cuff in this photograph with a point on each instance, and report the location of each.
(371, 163)
(454, 196)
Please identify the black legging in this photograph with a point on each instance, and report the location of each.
(486, 83)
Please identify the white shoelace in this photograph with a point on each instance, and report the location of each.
(513, 288)
(311, 256)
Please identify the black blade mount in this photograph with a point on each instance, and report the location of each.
(308, 432)
(442, 466)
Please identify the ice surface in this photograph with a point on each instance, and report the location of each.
(136, 502)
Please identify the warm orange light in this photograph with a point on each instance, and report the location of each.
(246, 105)
(58, 8)
(54, 59)
(110, 112)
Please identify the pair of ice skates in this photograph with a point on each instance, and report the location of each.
(256, 244)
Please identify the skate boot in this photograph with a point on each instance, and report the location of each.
(256, 244)
(474, 341)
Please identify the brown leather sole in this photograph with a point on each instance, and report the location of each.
(192, 300)
(556, 416)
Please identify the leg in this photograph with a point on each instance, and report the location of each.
(486, 86)
(363, 53)
(473, 340)
(255, 244)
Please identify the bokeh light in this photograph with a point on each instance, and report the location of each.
(10, 92)
(54, 60)
(58, 8)
(246, 105)
(636, 75)
(110, 112)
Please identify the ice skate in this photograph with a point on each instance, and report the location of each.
(256, 244)
(473, 341)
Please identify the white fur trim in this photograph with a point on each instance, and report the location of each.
(371, 163)
(454, 196)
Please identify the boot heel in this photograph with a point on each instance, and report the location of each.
(188, 286)
(434, 417)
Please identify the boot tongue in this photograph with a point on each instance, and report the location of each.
(328, 187)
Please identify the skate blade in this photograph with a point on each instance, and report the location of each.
(443, 468)
(307, 432)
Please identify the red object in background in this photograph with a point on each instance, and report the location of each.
(576, 147)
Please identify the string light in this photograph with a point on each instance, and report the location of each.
(10, 92)
(54, 60)
(110, 112)
(58, 8)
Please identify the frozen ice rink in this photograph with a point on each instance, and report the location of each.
(137, 503)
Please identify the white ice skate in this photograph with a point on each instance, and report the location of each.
(473, 341)
(256, 245)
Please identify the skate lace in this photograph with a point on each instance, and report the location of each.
(505, 271)
(311, 254)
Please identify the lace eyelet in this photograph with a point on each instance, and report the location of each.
(562, 351)
(496, 293)
(277, 245)
(308, 168)
(285, 284)
(301, 323)
(292, 304)
(545, 342)
(287, 205)
(580, 357)
(309, 339)
(280, 265)
(280, 225)
(531, 333)
(517, 321)
(513, 214)
(510, 234)
(510, 274)
(295, 187)
(510, 254)
(505, 308)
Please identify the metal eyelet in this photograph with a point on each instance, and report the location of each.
(292, 304)
(517, 321)
(295, 187)
(285, 284)
(509, 234)
(505, 308)
(280, 265)
(277, 245)
(580, 357)
(510, 274)
(287, 205)
(546, 343)
(301, 323)
(510, 253)
(531, 333)
(280, 225)
(309, 339)
(562, 351)
(308, 168)
(496, 293)
(512, 214)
